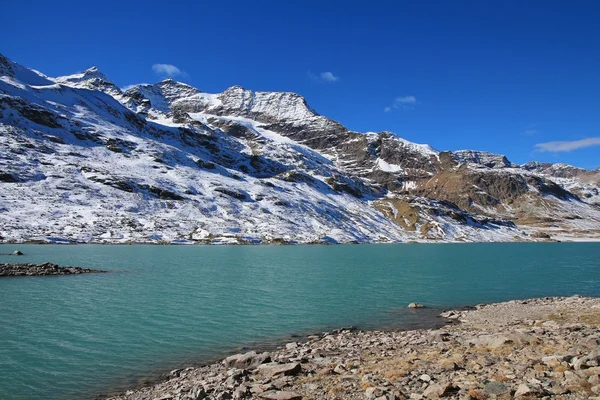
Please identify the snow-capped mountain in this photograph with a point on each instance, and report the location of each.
(82, 160)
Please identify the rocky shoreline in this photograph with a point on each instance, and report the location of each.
(526, 349)
(45, 269)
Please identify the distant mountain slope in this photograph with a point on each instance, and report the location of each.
(83, 161)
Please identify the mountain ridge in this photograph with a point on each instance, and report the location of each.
(166, 162)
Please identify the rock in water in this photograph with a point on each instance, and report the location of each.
(17, 253)
(41, 270)
(416, 305)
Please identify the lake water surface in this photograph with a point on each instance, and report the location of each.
(163, 307)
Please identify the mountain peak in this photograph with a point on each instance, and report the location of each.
(173, 83)
(91, 78)
(94, 72)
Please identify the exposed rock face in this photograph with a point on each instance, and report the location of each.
(539, 348)
(253, 167)
(482, 158)
(561, 171)
(41, 270)
(156, 100)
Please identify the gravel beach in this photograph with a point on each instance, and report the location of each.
(525, 349)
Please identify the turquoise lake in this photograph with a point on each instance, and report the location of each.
(163, 307)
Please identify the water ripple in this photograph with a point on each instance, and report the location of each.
(161, 306)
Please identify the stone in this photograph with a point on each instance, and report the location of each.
(570, 375)
(495, 388)
(267, 371)
(199, 394)
(433, 391)
(17, 253)
(339, 369)
(241, 392)
(281, 382)
(425, 378)
(415, 305)
(496, 341)
(257, 389)
(280, 395)
(373, 392)
(555, 359)
(248, 360)
(579, 363)
(437, 390)
(523, 390)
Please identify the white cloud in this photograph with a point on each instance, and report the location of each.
(328, 77)
(530, 132)
(560, 146)
(402, 103)
(168, 70)
(405, 100)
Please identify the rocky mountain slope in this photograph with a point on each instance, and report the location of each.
(83, 161)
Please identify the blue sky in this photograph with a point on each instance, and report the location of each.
(512, 77)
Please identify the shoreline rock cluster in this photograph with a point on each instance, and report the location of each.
(45, 269)
(540, 348)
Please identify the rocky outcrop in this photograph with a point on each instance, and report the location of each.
(157, 99)
(44, 269)
(482, 158)
(540, 348)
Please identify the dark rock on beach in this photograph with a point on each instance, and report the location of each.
(41, 270)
